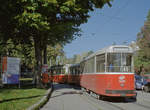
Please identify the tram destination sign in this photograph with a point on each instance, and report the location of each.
(120, 49)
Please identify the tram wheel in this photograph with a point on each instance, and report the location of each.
(100, 97)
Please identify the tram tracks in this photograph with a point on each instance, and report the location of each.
(142, 105)
(89, 101)
(105, 105)
(100, 104)
(118, 107)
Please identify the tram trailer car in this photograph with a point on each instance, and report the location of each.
(109, 72)
(59, 73)
(69, 73)
(74, 74)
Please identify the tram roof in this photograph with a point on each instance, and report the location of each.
(112, 49)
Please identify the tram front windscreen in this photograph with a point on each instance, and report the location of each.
(119, 62)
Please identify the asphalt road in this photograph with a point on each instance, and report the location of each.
(66, 97)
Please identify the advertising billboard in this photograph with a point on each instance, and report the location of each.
(11, 70)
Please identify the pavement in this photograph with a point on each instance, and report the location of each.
(66, 97)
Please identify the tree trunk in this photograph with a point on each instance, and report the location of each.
(38, 66)
(45, 54)
(55, 60)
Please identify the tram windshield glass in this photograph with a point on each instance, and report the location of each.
(119, 62)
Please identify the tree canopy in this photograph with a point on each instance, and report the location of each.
(44, 22)
(143, 41)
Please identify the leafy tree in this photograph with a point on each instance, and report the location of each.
(44, 22)
(143, 41)
(55, 52)
(77, 58)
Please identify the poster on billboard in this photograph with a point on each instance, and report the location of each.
(44, 68)
(11, 71)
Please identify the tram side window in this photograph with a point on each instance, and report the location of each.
(78, 69)
(63, 71)
(72, 70)
(54, 72)
(59, 71)
(85, 67)
(100, 63)
(89, 66)
(82, 67)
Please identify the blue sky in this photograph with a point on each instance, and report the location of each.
(118, 24)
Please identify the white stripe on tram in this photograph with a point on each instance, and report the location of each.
(111, 73)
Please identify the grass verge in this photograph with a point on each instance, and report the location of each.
(19, 99)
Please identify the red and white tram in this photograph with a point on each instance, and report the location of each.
(59, 73)
(109, 72)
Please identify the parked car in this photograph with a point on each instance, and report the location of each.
(140, 82)
(147, 85)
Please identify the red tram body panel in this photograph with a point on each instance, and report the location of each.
(45, 78)
(62, 78)
(73, 79)
(109, 84)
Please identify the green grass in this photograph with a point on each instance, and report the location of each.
(19, 99)
(26, 79)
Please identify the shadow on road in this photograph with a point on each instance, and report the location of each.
(119, 99)
(58, 87)
(62, 86)
(67, 93)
